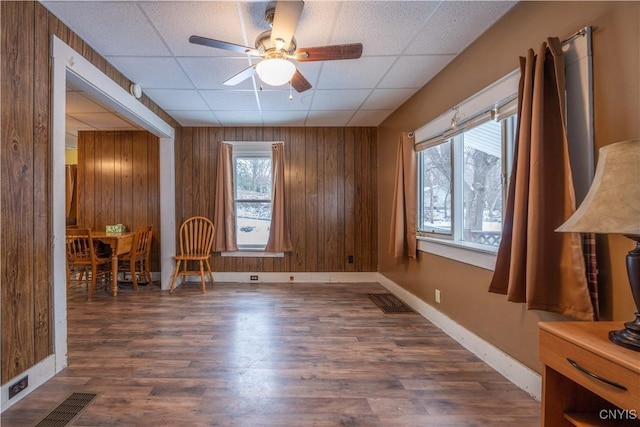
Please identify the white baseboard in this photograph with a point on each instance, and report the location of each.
(519, 374)
(38, 375)
(245, 277)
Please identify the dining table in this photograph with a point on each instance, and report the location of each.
(120, 243)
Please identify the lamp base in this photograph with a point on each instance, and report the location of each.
(629, 337)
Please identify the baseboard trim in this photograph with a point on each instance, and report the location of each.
(262, 277)
(519, 374)
(38, 375)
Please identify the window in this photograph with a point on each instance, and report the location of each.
(464, 158)
(252, 195)
(461, 184)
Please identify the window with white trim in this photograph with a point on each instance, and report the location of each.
(463, 164)
(252, 194)
(462, 184)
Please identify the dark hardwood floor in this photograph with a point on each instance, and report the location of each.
(268, 355)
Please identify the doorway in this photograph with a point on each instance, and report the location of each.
(68, 66)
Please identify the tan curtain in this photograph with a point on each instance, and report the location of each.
(536, 265)
(71, 172)
(402, 236)
(224, 216)
(279, 239)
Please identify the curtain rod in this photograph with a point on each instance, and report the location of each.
(580, 33)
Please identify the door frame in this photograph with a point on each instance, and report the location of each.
(69, 65)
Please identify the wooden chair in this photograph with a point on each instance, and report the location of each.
(196, 241)
(84, 265)
(137, 261)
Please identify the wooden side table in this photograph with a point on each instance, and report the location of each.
(586, 379)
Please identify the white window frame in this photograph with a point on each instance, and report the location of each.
(251, 149)
(498, 101)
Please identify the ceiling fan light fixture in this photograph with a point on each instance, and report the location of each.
(275, 71)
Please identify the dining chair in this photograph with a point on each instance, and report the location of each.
(137, 261)
(84, 264)
(196, 240)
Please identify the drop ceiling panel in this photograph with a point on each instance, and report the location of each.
(414, 71)
(237, 100)
(194, 118)
(329, 118)
(77, 102)
(103, 121)
(387, 99)
(176, 21)
(178, 99)
(350, 99)
(456, 24)
(111, 28)
(152, 72)
(363, 73)
(406, 43)
(369, 117)
(383, 26)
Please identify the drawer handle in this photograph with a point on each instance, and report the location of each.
(597, 377)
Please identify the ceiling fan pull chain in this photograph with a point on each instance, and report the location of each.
(290, 91)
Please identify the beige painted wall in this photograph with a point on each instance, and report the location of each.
(616, 57)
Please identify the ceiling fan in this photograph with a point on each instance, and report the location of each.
(278, 47)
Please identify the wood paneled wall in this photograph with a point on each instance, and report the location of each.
(119, 182)
(25, 215)
(330, 178)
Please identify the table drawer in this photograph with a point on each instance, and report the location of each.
(613, 382)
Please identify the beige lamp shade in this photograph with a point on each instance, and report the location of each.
(612, 204)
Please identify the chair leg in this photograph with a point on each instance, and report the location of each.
(175, 276)
(210, 272)
(93, 284)
(134, 276)
(204, 290)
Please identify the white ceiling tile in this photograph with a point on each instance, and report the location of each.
(369, 117)
(346, 99)
(177, 21)
(316, 22)
(456, 24)
(72, 125)
(177, 99)
(384, 27)
(152, 72)
(194, 118)
(329, 118)
(212, 72)
(414, 71)
(237, 100)
(111, 28)
(239, 118)
(278, 100)
(363, 73)
(284, 118)
(387, 99)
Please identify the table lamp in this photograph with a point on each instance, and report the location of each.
(612, 206)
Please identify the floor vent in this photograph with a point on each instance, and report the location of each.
(389, 303)
(68, 410)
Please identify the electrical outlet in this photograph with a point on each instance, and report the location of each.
(253, 277)
(438, 296)
(350, 259)
(18, 386)
(291, 278)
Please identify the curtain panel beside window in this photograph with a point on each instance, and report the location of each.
(224, 216)
(536, 265)
(279, 238)
(402, 236)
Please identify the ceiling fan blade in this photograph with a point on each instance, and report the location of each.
(329, 53)
(241, 76)
(299, 83)
(285, 20)
(204, 41)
